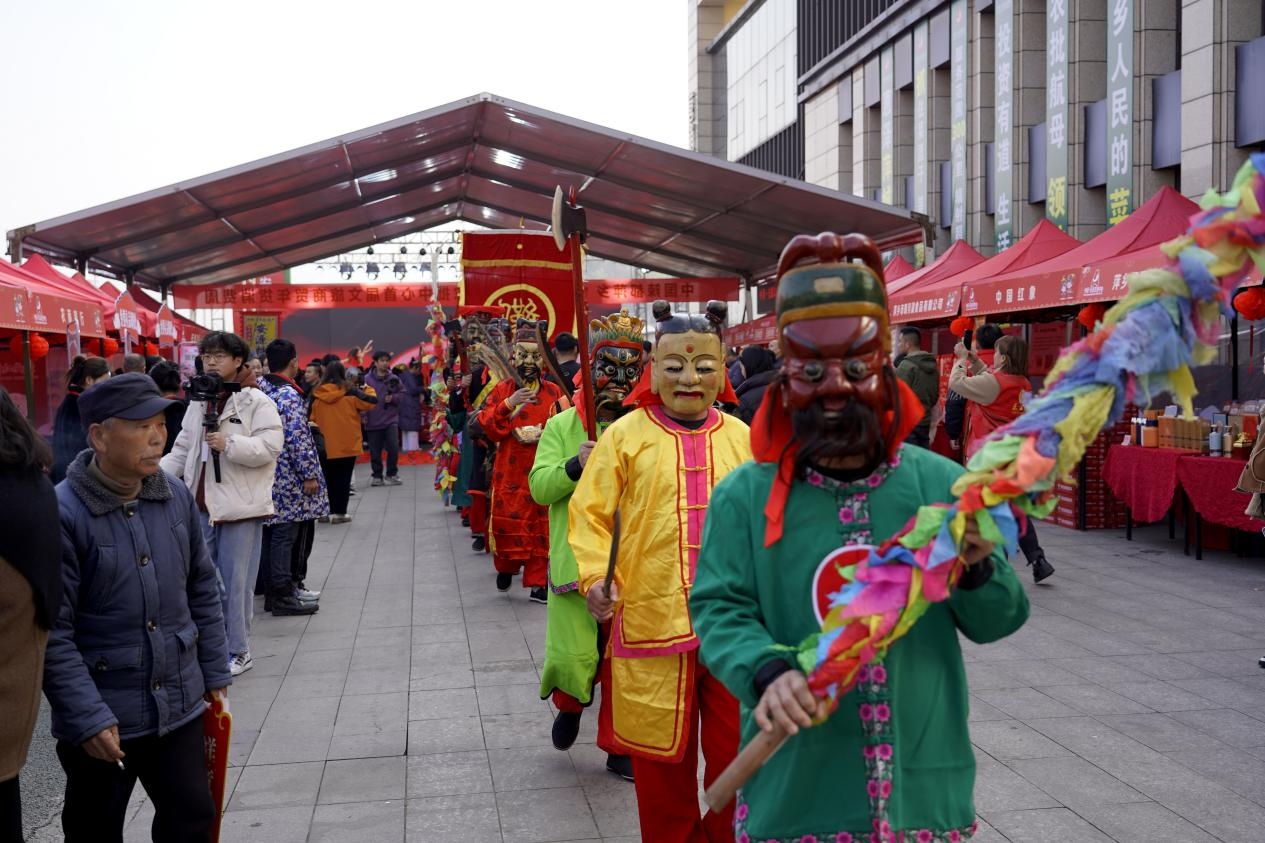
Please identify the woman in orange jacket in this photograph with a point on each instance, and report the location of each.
(336, 407)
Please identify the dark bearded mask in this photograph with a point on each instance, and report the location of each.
(838, 384)
(618, 358)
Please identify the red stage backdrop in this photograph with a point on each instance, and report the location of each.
(521, 271)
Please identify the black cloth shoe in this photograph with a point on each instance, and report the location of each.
(465, 522)
(620, 765)
(480, 544)
(566, 727)
(1261, 661)
(1041, 568)
(503, 581)
(539, 595)
(286, 603)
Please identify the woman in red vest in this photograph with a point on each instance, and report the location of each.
(996, 397)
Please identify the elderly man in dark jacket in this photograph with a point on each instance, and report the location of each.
(139, 644)
(759, 369)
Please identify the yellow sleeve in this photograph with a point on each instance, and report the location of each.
(592, 509)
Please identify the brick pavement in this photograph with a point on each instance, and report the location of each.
(1129, 708)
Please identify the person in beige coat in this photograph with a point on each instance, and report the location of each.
(30, 592)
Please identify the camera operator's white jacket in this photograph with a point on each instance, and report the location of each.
(247, 465)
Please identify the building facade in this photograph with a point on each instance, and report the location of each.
(984, 115)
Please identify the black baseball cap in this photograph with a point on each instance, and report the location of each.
(131, 396)
(566, 343)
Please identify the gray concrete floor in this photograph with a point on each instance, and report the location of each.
(1129, 708)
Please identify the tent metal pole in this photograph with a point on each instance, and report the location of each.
(28, 377)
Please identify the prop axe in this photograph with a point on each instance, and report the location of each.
(551, 361)
(570, 226)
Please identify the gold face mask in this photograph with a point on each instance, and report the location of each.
(527, 359)
(686, 373)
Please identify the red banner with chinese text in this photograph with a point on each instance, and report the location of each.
(521, 271)
(641, 290)
(291, 297)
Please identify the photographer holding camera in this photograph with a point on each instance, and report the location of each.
(226, 454)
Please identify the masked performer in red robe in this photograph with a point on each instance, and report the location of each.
(513, 419)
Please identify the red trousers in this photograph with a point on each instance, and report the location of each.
(565, 702)
(535, 570)
(478, 513)
(667, 794)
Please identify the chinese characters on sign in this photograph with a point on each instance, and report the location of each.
(1004, 131)
(957, 126)
(921, 104)
(1120, 110)
(1057, 32)
(299, 296)
(887, 81)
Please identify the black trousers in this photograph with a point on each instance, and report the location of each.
(302, 550)
(172, 770)
(1028, 542)
(10, 811)
(338, 473)
(389, 439)
(277, 556)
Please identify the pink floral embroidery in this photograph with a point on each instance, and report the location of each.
(867, 712)
(885, 789)
(808, 838)
(743, 838)
(868, 751)
(874, 481)
(742, 812)
(924, 836)
(882, 712)
(884, 751)
(863, 675)
(872, 788)
(955, 836)
(814, 479)
(885, 828)
(843, 837)
(878, 673)
(847, 516)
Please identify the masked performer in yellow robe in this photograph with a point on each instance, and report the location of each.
(656, 467)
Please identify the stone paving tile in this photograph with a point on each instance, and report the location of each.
(449, 734)
(538, 816)
(277, 786)
(449, 774)
(1043, 825)
(358, 822)
(1074, 782)
(466, 818)
(267, 825)
(362, 780)
(1143, 822)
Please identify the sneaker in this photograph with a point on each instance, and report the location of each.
(566, 728)
(539, 595)
(377, 481)
(306, 595)
(503, 581)
(240, 663)
(1041, 568)
(290, 604)
(339, 519)
(480, 544)
(352, 493)
(394, 481)
(620, 765)
(324, 519)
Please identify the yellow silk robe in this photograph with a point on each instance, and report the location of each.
(659, 475)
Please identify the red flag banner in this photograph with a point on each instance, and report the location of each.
(167, 330)
(640, 290)
(127, 319)
(521, 271)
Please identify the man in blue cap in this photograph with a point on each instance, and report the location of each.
(139, 644)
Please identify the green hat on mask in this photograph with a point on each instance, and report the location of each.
(819, 277)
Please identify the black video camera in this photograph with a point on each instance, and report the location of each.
(208, 386)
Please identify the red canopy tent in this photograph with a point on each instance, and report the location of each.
(896, 268)
(75, 284)
(957, 258)
(187, 329)
(941, 299)
(46, 306)
(1076, 276)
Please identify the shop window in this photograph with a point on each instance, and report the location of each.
(1094, 148)
(1036, 163)
(1166, 127)
(1249, 94)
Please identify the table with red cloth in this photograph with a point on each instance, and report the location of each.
(1144, 479)
(1209, 482)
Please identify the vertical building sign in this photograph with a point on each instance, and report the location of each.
(921, 106)
(1057, 31)
(1003, 132)
(1120, 109)
(887, 81)
(957, 128)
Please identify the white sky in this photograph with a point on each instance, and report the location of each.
(108, 98)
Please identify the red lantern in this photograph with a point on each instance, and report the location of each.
(958, 327)
(1091, 314)
(1251, 304)
(39, 347)
(111, 347)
